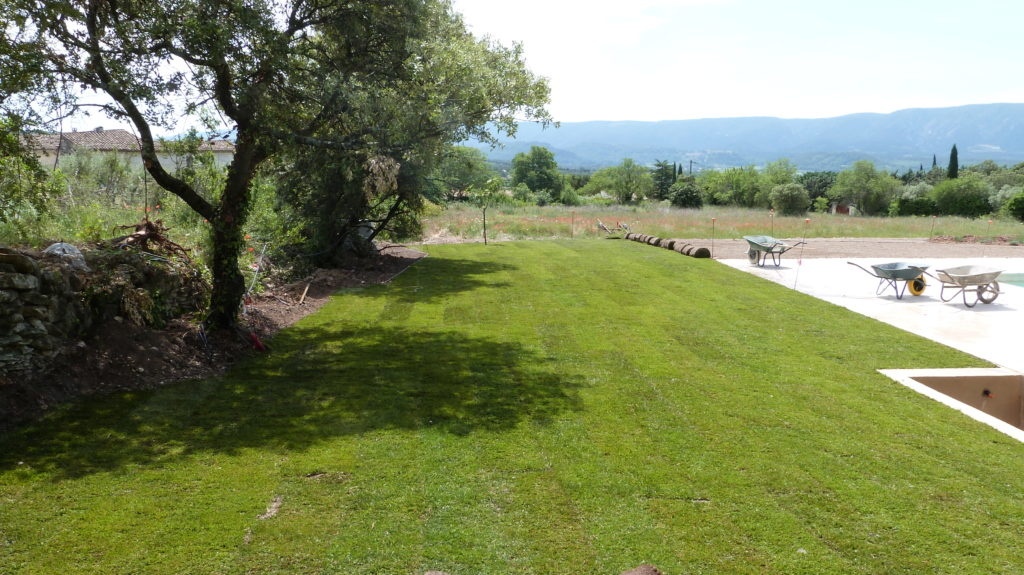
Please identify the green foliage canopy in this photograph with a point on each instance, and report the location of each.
(631, 182)
(780, 172)
(870, 190)
(953, 168)
(459, 169)
(790, 199)
(685, 193)
(1015, 207)
(966, 196)
(663, 175)
(816, 183)
(914, 200)
(23, 182)
(538, 170)
(452, 87)
(599, 182)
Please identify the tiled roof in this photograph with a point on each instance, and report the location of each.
(104, 140)
(116, 140)
(217, 146)
(42, 142)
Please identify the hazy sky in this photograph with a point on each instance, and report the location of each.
(684, 59)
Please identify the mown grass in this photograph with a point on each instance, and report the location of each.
(532, 407)
(549, 222)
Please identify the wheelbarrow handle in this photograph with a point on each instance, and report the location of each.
(869, 272)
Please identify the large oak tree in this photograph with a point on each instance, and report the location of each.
(354, 80)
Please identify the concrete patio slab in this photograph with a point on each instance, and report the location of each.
(993, 332)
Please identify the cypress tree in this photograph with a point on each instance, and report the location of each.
(934, 163)
(953, 170)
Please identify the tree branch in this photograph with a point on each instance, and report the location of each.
(150, 160)
(349, 143)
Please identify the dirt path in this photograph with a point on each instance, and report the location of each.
(895, 248)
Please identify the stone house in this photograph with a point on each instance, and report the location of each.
(52, 148)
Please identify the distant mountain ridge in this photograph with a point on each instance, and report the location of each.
(898, 140)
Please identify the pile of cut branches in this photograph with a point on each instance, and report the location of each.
(149, 236)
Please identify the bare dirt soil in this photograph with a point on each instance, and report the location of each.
(123, 357)
(938, 247)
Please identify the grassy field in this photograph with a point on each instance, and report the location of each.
(88, 223)
(716, 221)
(532, 407)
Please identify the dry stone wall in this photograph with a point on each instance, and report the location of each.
(40, 309)
(48, 301)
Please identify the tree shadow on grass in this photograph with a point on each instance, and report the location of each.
(437, 276)
(319, 383)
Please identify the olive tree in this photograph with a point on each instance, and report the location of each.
(631, 182)
(685, 193)
(459, 169)
(870, 190)
(790, 199)
(735, 186)
(285, 76)
(538, 170)
(452, 88)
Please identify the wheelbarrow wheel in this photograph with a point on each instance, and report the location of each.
(916, 285)
(752, 255)
(988, 292)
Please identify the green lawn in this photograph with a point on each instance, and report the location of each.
(540, 407)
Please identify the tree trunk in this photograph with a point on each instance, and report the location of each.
(485, 225)
(228, 242)
(228, 283)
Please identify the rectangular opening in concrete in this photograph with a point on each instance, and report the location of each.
(992, 396)
(996, 395)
